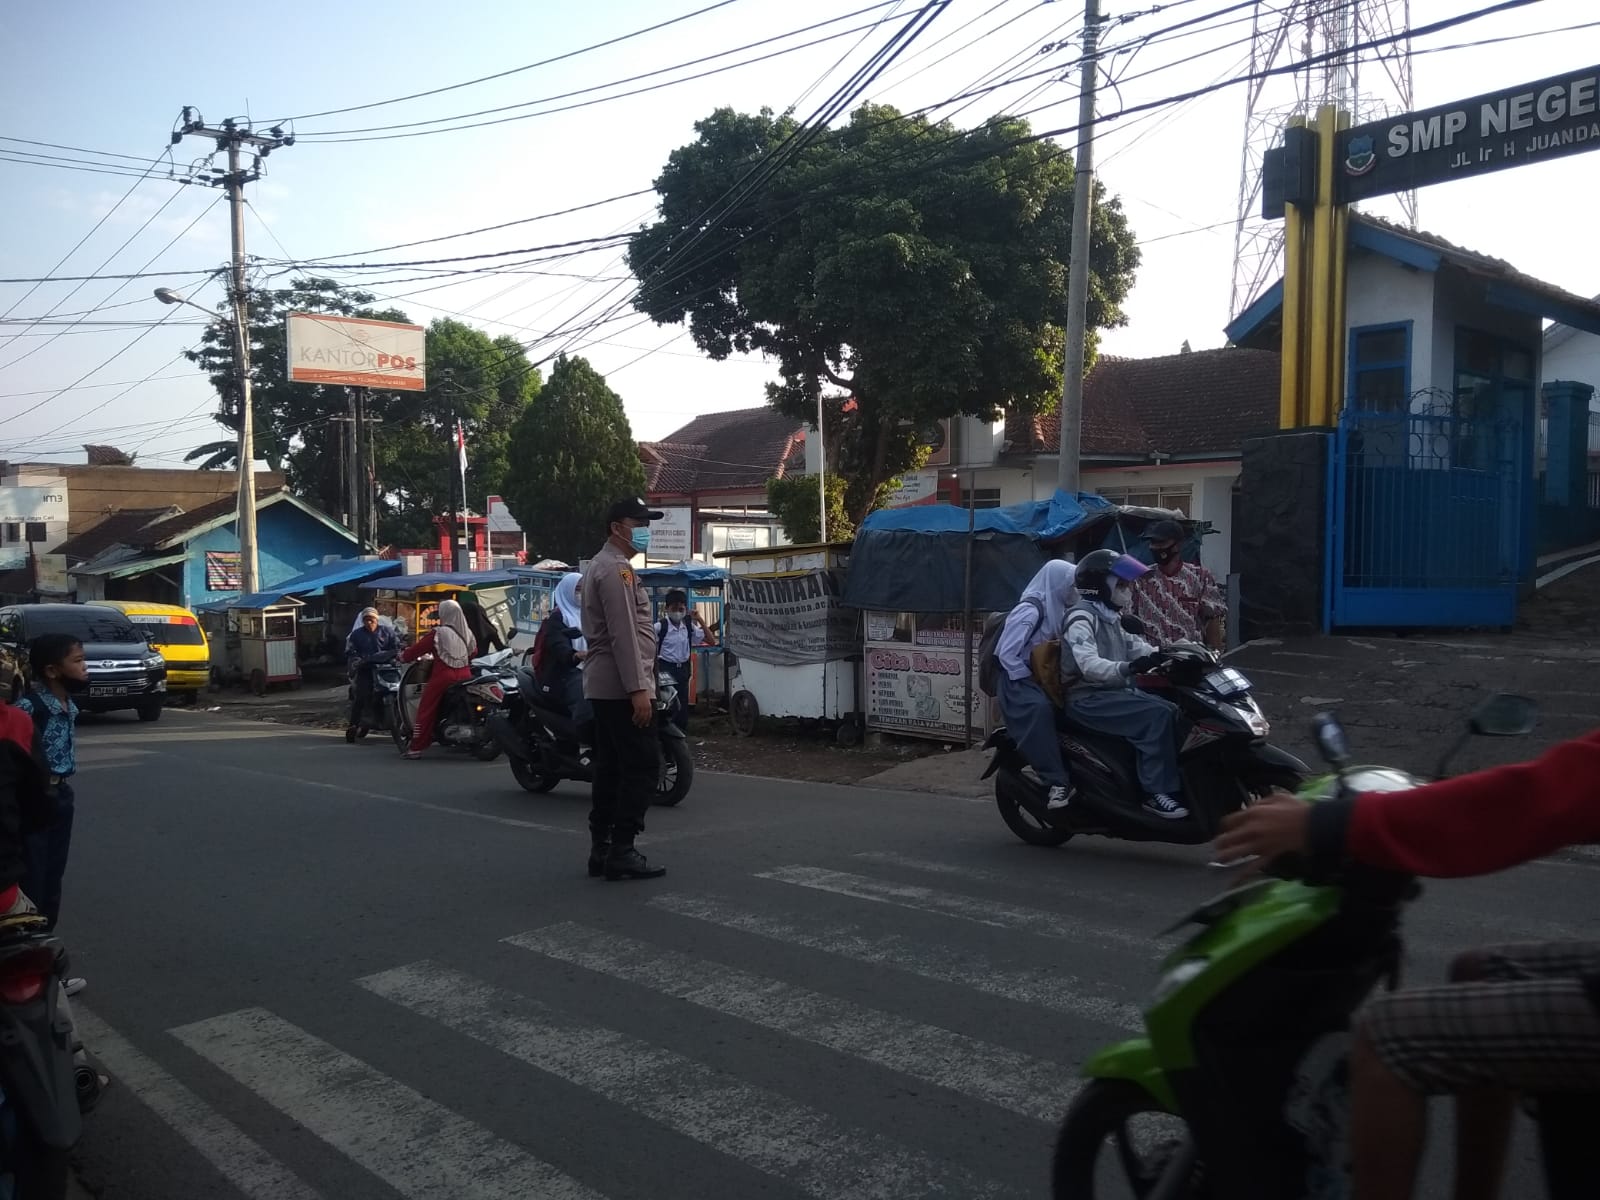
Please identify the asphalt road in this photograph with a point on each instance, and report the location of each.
(318, 971)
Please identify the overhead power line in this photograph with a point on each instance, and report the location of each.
(543, 62)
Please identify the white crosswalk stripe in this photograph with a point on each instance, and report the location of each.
(968, 908)
(805, 1148)
(1035, 986)
(1019, 1082)
(421, 1149)
(241, 1161)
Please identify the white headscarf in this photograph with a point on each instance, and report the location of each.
(1054, 588)
(365, 613)
(566, 600)
(452, 640)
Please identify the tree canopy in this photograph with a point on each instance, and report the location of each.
(575, 456)
(917, 268)
(485, 381)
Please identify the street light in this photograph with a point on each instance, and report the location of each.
(249, 562)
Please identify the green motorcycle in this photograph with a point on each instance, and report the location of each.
(1238, 1089)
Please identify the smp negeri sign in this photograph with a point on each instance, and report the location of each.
(1529, 123)
(356, 352)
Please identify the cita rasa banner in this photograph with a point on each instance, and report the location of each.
(790, 620)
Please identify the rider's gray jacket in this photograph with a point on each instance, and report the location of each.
(1095, 649)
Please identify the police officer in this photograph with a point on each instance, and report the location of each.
(619, 682)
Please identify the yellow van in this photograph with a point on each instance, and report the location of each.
(177, 634)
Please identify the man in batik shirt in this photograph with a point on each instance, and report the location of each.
(1178, 601)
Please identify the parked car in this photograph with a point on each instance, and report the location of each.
(177, 634)
(125, 670)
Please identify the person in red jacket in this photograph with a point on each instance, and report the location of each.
(1515, 1020)
(452, 646)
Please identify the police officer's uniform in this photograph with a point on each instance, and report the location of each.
(620, 662)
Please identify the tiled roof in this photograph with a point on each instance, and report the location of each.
(724, 450)
(177, 526)
(1202, 402)
(118, 527)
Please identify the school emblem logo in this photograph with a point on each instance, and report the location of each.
(1359, 156)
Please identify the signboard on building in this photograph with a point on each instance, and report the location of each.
(1532, 122)
(34, 503)
(356, 352)
(672, 537)
(940, 444)
(222, 571)
(916, 487)
(789, 620)
(50, 575)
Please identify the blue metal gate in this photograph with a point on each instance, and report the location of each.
(1427, 512)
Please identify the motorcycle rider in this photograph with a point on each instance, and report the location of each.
(1030, 715)
(371, 642)
(561, 661)
(1518, 1019)
(1099, 660)
(451, 644)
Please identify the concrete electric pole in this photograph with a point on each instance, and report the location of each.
(231, 137)
(1067, 477)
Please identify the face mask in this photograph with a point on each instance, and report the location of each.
(640, 537)
(74, 686)
(1164, 555)
(1121, 596)
(675, 616)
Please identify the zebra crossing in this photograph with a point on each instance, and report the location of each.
(943, 1094)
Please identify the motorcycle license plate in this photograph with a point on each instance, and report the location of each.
(108, 689)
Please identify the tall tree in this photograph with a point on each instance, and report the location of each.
(573, 456)
(485, 381)
(919, 269)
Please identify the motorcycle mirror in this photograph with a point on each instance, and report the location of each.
(1331, 740)
(1504, 715)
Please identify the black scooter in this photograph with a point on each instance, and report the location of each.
(545, 746)
(43, 1093)
(379, 709)
(1224, 757)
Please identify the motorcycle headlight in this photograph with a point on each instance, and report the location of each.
(1176, 978)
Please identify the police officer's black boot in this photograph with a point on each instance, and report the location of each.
(624, 862)
(599, 848)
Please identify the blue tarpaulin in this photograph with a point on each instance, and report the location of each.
(312, 583)
(914, 559)
(464, 580)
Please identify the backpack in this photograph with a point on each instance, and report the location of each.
(536, 655)
(989, 669)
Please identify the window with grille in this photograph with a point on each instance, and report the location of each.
(1151, 496)
(981, 498)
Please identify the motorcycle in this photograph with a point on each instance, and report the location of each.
(44, 1091)
(1248, 1032)
(462, 720)
(545, 746)
(379, 710)
(1224, 758)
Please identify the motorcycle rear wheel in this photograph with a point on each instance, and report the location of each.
(1025, 825)
(1098, 1120)
(677, 773)
(531, 778)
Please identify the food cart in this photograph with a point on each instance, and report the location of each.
(412, 601)
(926, 580)
(531, 598)
(793, 648)
(255, 639)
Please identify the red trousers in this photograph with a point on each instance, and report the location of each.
(440, 679)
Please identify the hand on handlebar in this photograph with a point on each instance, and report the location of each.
(1274, 826)
(1148, 662)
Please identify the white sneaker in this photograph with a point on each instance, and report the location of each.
(1060, 797)
(1164, 806)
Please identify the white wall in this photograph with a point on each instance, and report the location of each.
(1382, 292)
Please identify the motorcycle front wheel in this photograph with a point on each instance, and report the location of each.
(1146, 1144)
(677, 772)
(531, 778)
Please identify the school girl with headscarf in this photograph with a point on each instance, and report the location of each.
(452, 646)
(1030, 714)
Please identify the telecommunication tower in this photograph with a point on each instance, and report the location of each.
(1369, 84)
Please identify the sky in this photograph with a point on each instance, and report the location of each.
(111, 77)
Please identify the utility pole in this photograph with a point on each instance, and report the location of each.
(358, 408)
(1067, 479)
(232, 137)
